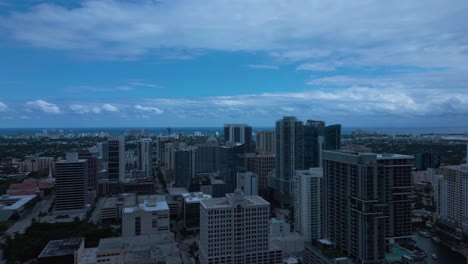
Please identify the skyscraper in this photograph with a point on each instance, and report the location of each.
(289, 157)
(265, 141)
(318, 137)
(308, 203)
(71, 183)
(234, 229)
(145, 158)
(240, 133)
(116, 159)
(366, 202)
(184, 167)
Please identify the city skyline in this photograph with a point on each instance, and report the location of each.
(183, 63)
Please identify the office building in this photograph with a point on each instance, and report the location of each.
(207, 157)
(150, 216)
(234, 229)
(160, 248)
(289, 157)
(452, 197)
(264, 164)
(61, 251)
(247, 182)
(116, 159)
(184, 167)
(318, 137)
(145, 157)
(191, 209)
(425, 160)
(308, 203)
(232, 160)
(240, 133)
(71, 183)
(366, 203)
(265, 141)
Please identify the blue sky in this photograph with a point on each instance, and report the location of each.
(206, 63)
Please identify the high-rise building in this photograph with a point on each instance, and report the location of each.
(207, 157)
(265, 141)
(318, 137)
(247, 182)
(425, 160)
(235, 229)
(452, 197)
(366, 202)
(71, 183)
(231, 161)
(184, 167)
(308, 203)
(264, 164)
(116, 159)
(145, 157)
(240, 133)
(289, 157)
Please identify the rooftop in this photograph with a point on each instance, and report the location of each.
(61, 247)
(14, 202)
(195, 197)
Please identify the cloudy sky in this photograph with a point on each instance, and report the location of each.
(209, 62)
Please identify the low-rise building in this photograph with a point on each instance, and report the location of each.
(11, 204)
(149, 216)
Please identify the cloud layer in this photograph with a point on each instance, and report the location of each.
(428, 33)
(350, 106)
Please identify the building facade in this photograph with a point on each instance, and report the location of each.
(149, 217)
(289, 157)
(71, 183)
(240, 133)
(145, 157)
(265, 141)
(366, 202)
(234, 229)
(116, 159)
(308, 203)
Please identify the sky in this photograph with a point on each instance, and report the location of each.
(142, 63)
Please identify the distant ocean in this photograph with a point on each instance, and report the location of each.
(211, 131)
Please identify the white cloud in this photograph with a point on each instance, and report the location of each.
(84, 109)
(44, 106)
(422, 33)
(141, 84)
(315, 67)
(109, 108)
(154, 110)
(3, 107)
(263, 66)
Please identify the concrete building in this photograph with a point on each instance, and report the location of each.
(247, 182)
(367, 204)
(145, 157)
(191, 209)
(132, 250)
(71, 183)
(234, 229)
(150, 216)
(207, 156)
(11, 204)
(240, 133)
(265, 142)
(116, 159)
(289, 241)
(184, 167)
(289, 157)
(308, 203)
(452, 197)
(61, 251)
